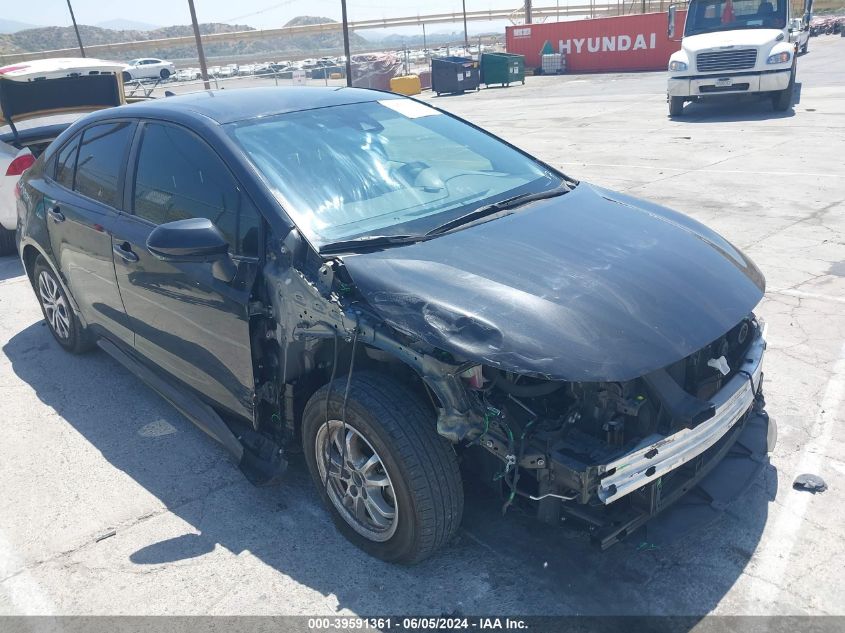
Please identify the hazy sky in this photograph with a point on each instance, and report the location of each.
(257, 13)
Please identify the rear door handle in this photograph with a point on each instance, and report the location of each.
(56, 214)
(124, 251)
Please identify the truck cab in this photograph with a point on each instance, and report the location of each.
(733, 47)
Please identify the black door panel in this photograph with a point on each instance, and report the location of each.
(80, 226)
(82, 247)
(190, 324)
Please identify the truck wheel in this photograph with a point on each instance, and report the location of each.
(398, 496)
(782, 99)
(60, 317)
(7, 241)
(676, 106)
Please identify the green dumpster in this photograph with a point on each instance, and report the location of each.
(502, 68)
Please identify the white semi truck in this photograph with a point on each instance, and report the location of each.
(734, 47)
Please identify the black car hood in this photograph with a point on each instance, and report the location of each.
(589, 286)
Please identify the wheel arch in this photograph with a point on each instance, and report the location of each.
(30, 252)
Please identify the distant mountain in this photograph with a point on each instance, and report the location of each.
(13, 26)
(397, 41)
(53, 37)
(127, 25)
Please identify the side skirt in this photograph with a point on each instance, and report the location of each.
(259, 458)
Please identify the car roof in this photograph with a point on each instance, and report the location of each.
(228, 106)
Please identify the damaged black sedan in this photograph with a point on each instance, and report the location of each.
(403, 297)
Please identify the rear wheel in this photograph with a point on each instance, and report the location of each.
(164, 74)
(60, 317)
(391, 483)
(7, 241)
(676, 106)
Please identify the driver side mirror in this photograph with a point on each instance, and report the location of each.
(193, 240)
(670, 31)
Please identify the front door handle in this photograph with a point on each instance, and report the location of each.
(124, 251)
(56, 214)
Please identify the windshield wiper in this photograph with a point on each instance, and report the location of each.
(497, 207)
(368, 241)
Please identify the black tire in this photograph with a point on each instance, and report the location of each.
(676, 106)
(805, 47)
(782, 99)
(164, 74)
(127, 77)
(7, 241)
(77, 339)
(421, 466)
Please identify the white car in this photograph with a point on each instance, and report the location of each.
(188, 74)
(34, 113)
(148, 68)
(13, 162)
(230, 70)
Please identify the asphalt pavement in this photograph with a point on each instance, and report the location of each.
(112, 503)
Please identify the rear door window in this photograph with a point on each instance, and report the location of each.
(179, 176)
(102, 158)
(66, 162)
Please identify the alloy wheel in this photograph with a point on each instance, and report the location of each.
(358, 484)
(55, 305)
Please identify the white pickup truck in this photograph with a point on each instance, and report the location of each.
(733, 47)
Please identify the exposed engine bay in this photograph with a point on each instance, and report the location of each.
(551, 444)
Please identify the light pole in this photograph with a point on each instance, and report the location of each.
(346, 44)
(75, 28)
(200, 52)
(466, 35)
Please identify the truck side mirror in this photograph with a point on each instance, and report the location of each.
(671, 27)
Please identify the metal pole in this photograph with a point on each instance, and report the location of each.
(346, 44)
(528, 11)
(425, 46)
(466, 33)
(200, 52)
(75, 28)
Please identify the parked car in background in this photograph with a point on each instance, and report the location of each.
(230, 70)
(187, 74)
(396, 292)
(148, 68)
(40, 99)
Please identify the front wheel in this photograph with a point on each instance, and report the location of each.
(676, 106)
(391, 483)
(782, 99)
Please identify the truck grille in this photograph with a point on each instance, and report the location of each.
(715, 61)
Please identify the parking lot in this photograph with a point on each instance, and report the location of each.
(113, 503)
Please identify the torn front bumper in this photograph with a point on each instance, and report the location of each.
(658, 455)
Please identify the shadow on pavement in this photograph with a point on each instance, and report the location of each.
(749, 108)
(496, 566)
(10, 267)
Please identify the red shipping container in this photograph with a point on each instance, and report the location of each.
(627, 42)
